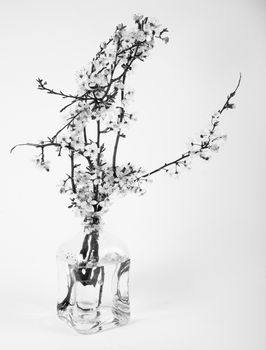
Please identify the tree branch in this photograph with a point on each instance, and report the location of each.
(227, 105)
(179, 160)
(72, 171)
(123, 75)
(42, 86)
(65, 126)
(38, 145)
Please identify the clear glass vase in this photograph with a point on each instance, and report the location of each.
(93, 276)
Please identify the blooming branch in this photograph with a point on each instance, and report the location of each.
(208, 141)
(101, 102)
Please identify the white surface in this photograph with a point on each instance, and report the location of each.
(197, 244)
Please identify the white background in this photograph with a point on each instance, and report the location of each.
(197, 243)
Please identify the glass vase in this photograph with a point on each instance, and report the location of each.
(93, 276)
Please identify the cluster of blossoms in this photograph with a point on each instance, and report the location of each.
(93, 189)
(102, 100)
(207, 142)
(42, 164)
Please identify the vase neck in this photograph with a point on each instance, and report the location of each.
(93, 224)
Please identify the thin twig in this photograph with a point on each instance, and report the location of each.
(227, 105)
(66, 125)
(38, 145)
(72, 171)
(118, 135)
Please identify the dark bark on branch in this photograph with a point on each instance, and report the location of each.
(72, 172)
(227, 105)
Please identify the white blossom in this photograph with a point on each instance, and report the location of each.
(42, 164)
(103, 101)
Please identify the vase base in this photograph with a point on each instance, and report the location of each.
(90, 322)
